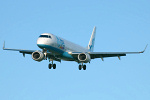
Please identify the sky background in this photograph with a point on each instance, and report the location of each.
(122, 25)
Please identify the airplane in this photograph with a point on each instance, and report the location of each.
(55, 48)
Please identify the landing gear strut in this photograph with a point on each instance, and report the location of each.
(45, 54)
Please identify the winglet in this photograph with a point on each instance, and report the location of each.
(144, 49)
(4, 45)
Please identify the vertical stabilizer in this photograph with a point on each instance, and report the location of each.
(92, 41)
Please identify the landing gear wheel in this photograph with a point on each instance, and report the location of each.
(84, 67)
(54, 66)
(50, 66)
(80, 67)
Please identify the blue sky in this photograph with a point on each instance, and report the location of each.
(121, 26)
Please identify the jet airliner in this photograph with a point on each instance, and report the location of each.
(55, 48)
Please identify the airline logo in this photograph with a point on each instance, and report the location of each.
(60, 43)
(92, 45)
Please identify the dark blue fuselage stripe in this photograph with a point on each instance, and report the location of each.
(51, 48)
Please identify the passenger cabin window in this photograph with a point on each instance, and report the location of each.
(45, 36)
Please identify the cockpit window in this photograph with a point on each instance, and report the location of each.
(45, 36)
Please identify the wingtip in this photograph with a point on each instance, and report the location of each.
(3, 45)
(144, 49)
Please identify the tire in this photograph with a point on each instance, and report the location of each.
(84, 67)
(50, 66)
(80, 67)
(54, 66)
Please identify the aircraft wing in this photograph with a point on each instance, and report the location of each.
(102, 55)
(110, 54)
(49, 54)
(20, 50)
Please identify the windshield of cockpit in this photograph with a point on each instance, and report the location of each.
(45, 36)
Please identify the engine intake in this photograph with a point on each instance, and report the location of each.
(84, 57)
(37, 56)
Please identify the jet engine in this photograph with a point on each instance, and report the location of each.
(37, 56)
(84, 57)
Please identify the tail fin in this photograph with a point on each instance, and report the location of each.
(92, 40)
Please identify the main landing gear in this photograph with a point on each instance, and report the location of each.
(82, 66)
(51, 65)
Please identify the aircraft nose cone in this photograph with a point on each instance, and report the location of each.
(44, 42)
(41, 42)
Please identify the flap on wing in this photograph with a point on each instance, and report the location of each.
(27, 51)
(104, 55)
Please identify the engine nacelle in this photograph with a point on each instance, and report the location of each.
(37, 56)
(84, 57)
